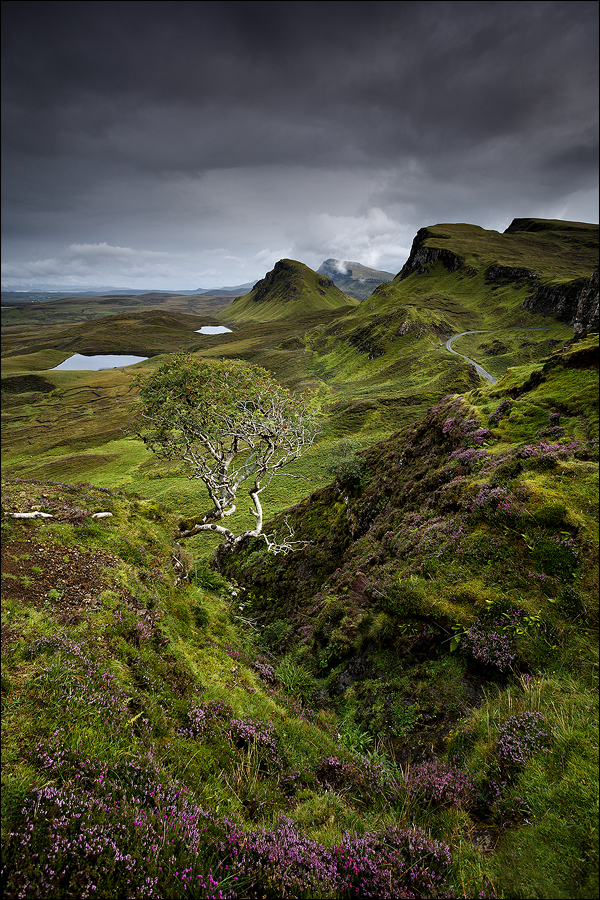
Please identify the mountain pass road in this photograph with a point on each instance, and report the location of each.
(480, 370)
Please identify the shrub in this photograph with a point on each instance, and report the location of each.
(440, 784)
(489, 646)
(197, 722)
(345, 466)
(253, 733)
(520, 737)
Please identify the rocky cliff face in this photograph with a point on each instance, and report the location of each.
(574, 302)
(422, 259)
(283, 273)
(501, 275)
(586, 317)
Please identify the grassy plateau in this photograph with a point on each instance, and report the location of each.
(406, 707)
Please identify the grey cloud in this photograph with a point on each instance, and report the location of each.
(378, 77)
(120, 119)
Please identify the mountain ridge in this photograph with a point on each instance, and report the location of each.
(290, 290)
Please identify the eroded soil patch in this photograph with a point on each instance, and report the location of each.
(50, 575)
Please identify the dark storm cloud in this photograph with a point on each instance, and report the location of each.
(121, 117)
(382, 76)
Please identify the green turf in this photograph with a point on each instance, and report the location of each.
(413, 539)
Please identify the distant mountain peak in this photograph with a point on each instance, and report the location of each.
(354, 278)
(338, 266)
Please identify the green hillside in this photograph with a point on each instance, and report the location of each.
(458, 278)
(290, 290)
(407, 706)
(544, 247)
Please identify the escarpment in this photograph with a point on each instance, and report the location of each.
(422, 259)
(574, 302)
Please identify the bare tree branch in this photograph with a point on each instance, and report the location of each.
(233, 427)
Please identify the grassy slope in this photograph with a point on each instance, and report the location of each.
(121, 681)
(383, 688)
(290, 291)
(422, 538)
(123, 657)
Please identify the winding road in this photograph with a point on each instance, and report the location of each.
(480, 370)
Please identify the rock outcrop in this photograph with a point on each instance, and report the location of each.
(586, 316)
(573, 302)
(422, 259)
(501, 275)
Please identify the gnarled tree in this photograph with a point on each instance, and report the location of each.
(232, 426)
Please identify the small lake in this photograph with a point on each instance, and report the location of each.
(95, 363)
(212, 329)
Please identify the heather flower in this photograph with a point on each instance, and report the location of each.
(196, 721)
(282, 863)
(79, 681)
(520, 737)
(120, 832)
(361, 778)
(547, 455)
(468, 457)
(501, 410)
(552, 431)
(490, 646)
(440, 784)
(432, 538)
(248, 733)
(499, 501)
(265, 672)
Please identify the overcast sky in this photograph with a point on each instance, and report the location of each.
(192, 144)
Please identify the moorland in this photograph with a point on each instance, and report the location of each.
(406, 706)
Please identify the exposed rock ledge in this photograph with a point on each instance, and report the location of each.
(422, 259)
(575, 302)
